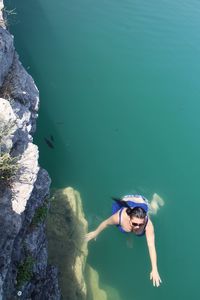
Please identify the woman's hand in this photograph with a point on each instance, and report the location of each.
(91, 235)
(155, 277)
(110, 221)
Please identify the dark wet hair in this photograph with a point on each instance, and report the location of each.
(137, 212)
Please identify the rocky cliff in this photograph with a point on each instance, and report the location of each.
(24, 185)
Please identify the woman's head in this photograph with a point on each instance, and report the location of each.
(137, 214)
(137, 218)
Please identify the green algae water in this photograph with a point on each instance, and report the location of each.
(119, 114)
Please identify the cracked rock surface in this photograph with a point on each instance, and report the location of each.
(24, 185)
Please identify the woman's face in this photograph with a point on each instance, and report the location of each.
(137, 224)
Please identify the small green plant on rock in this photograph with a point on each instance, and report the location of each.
(6, 15)
(8, 167)
(5, 92)
(25, 271)
(40, 214)
(6, 129)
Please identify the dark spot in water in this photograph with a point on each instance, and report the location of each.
(52, 138)
(49, 143)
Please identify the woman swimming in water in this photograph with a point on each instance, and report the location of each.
(130, 214)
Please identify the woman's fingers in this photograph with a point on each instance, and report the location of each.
(89, 236)
(157, 282)
(155, 278)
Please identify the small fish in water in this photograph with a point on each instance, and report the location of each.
(52, 138)
(49, 143)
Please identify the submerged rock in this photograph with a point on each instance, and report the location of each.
(94, 292)
(106, 292)
(66, 228)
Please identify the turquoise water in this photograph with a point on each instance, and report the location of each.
(119, 90)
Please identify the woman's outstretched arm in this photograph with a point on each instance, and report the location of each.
(113, 220)
(154, 275)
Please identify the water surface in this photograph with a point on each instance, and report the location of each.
(119, 90)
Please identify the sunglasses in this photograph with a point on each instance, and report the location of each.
(137, 224)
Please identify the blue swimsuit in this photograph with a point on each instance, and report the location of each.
(118, 207)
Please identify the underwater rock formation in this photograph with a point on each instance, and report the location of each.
(66, 229)
(92, 279)
(93, 287)
(24, 186)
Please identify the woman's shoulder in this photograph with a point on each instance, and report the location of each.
(114, 219)
(149, 226)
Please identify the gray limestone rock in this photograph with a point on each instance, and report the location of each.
(24, 269)
(19, 88)
(2, 23)
(6, 53)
